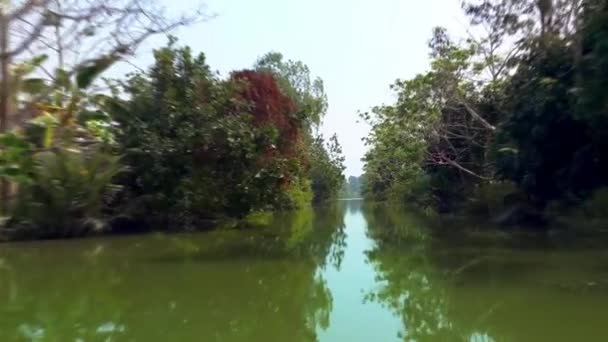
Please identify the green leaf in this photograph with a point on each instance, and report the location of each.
(10, 171)
(11, 140)
(62, 79)
(29, 66)
(45, 120)
(38, 60)
(87, 74)
(90, 115)
(33, 86)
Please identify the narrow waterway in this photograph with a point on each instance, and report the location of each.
(346, 272)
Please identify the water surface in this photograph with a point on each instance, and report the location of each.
(347, 272)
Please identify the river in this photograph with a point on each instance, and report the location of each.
(348, 272)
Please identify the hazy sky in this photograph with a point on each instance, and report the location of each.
(358, 47)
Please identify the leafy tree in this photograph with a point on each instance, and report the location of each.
(200, 147)
(524, 103)
(555, 119)
(58, 161)
(83, 38)
(327, 165)
(295, 81)
(429, 147)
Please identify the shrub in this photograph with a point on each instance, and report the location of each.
(63, 193)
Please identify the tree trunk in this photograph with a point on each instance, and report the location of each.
(4, 99)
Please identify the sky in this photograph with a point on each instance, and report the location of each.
(358, 48)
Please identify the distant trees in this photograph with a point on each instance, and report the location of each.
(352, 187)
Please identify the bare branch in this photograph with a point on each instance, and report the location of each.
(441, 159)
(476, 115)
(27, 42)
(27, 8)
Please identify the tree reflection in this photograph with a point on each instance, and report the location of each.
(481, 287)
(411, 284)
(235, 285)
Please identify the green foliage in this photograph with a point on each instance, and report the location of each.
(325, 160)
(62, 193)
(295, 81)
(197, 148)
(87, 73)
(394, 165)
(190, 146)
(524, 104)
(298, 195)
(15, 159)
(352, 187)
(61, 177)
(557, 115)
(540, 115)
(200, 147)
(327, 167)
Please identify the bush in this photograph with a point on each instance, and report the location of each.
(299, 195)
(63, 194)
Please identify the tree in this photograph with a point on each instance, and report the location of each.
(434, 135)
(324, 160)
(200, 147)
(85, 38)
(524, 103)
(295, 81)
(327, 165)
(550, 99)
(352, 187)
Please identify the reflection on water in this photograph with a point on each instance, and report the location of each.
(477, 286)
(347, 272)
(250, 285)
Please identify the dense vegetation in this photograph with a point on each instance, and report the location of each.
(199, 147)
(516, 112)
(174, 147)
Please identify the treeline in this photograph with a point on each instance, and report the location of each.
(515, 112)
(173, 147)
(352, 187)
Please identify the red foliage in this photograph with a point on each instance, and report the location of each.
(270, 106)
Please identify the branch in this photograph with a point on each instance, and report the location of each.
(25, 44)
(118, 52)
(478, 117)
(27, 7)
(440, 159)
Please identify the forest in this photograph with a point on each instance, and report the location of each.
(511, 117)
(172, 147)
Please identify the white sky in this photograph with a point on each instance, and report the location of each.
(358, 47)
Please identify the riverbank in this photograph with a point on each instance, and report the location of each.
(124, 226)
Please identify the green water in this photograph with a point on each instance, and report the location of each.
(350, 272)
